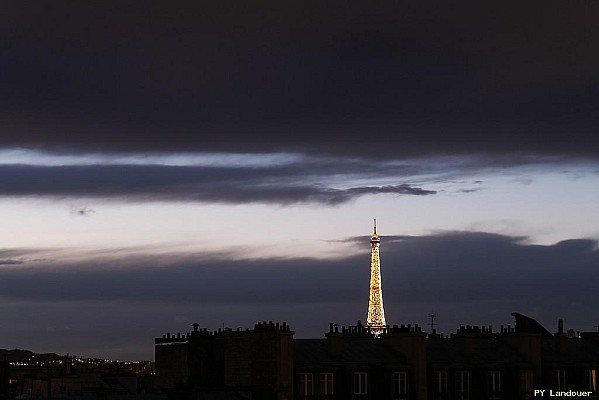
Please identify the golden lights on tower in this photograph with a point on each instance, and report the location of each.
(376, 311)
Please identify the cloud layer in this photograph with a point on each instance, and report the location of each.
(390, 79)
(288, 184)
(474, 278)
(276, 178)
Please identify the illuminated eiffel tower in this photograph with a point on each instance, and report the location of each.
(376, 311)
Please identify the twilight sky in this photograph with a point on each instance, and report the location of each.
(221, 162)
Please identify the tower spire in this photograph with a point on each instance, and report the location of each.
(376, 311)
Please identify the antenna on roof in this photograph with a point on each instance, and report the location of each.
(375, 226)
(432, 316)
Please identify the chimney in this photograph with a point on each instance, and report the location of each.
(560, 326)
(334, 341)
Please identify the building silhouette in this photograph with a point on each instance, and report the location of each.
(377, 361)
(4, 379)
(403, 362)
(27, 375)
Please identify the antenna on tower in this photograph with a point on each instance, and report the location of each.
(375, 226)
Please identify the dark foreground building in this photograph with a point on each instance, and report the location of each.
(403, 363)
(4, 380)
(227, 364)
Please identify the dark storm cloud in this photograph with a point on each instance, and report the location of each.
(448, 268)
(278, 185)
(383, 79)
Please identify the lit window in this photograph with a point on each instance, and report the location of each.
(440, 385)
(462, 385)
(400, 385)
(326, 384)
(360, 383)
(559, 377)
(306, 384)
(494, 385)
(526, 381)
(590, 380)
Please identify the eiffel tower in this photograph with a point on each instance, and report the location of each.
(376, 311)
